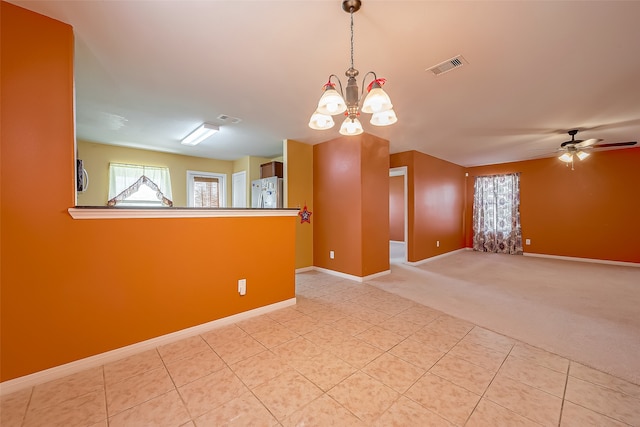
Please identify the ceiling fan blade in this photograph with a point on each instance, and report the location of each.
(564, 144)
(615, 144)
(587, 142)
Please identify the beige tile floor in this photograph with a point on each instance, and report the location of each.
(347, 354)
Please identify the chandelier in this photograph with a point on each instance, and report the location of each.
(332, 102)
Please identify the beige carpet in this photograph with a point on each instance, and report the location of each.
(587, 312)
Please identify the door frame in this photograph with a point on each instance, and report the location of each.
(402, 171)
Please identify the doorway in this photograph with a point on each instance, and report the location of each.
(398, 215)
(239, 189)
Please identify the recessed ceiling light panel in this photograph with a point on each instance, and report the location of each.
(203, 132)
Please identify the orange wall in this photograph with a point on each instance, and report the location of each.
(298, 169)
(374, 189)
(351, 209)
(435, 202)
(76, 288)
(396, 208)
(589, 212)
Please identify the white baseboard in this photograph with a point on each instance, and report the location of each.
(303, 269)
(598, 261)
(376, 275)
(350, 276)
(433, 258)
(56, 372)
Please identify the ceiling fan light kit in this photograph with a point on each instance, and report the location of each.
(566, 157)
(582, 155)
(333, 102)
(575, 147)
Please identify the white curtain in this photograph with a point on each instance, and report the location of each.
(125, 178)
(496, 214)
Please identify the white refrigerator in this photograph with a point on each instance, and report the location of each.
(267, 193)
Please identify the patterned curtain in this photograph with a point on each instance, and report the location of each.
(496, 214)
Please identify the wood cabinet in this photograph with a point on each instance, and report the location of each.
(271, 169)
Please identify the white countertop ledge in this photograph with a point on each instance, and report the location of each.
(124, 213)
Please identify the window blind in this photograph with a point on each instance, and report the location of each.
(206, 192)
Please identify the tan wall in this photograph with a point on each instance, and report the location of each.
(76, 288)
(96, 158)
(251, 165)
(298, 172)
(254, 167)
(240, 165)
(589, 212)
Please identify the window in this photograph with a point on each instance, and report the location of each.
(139, 185)
(496, 214)
(206, 190)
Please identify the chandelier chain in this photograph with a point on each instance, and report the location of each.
(351, 13)
(376, 102)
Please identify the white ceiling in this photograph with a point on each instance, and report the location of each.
(149, 72)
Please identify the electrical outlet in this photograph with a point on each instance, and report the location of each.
(332, 255)
(437, 243)
(242, 286)
(527, 242)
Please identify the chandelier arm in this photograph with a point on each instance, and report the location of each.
(364, 86)
(353, 96)
(339, 82)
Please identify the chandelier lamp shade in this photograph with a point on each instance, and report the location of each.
(347, 102)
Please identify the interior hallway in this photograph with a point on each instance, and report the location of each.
(347, 354)
(397, 252)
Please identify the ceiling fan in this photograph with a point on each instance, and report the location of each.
(580, 147)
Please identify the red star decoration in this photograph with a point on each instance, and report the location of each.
(305, 215)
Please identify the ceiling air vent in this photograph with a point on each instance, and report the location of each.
(448, 65)
(229, 119)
